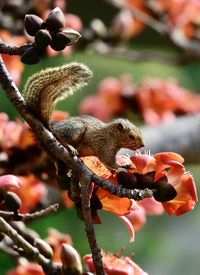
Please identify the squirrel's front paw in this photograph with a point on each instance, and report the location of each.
(73, 152)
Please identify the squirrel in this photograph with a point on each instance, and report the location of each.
(88, 135)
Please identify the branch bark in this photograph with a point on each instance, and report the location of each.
(30, 251)
(8, 216)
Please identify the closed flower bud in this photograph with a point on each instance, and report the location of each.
(146, 180)
(42, 39)
(30, 56)
(32, 24)
(55, 20)
(72, 35)
(44, 248)
(127, 180)
(12, 202)
(71, 260)
(59, 41)
(164, 190)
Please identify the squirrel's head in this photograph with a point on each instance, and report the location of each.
(129, 136)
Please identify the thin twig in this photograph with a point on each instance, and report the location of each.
(135, 56)
(174, 34)
(142, 16)
(29, 250)
(28, 217)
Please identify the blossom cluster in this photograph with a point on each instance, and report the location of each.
(156, 100)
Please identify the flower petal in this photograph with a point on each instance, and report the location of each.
(186, 197)
(112, 203)
(9, 181)
(142, 163)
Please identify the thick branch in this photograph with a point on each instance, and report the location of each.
(13, 50)
(181, 136)
(137, 56)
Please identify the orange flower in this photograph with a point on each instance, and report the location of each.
(125, 25)
(59, 115)
(169, 169)
(160, 100)
(107, 102)
(164, 173)
(112, 203)
(13, 63)
(115, 265)
(14, 134)
(55, 239)
(31, 192)
(27, 269)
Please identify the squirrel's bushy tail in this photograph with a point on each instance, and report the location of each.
(45, 88)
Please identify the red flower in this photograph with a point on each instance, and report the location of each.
(27, 269)
(31, 192)
(107, 102)
(13, 63)
(115, 265)
(112, 203)
(55, 239)
(160, 100)
(174, 189)
(14, 134)
(169, 165)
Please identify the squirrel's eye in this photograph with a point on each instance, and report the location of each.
(131, 137)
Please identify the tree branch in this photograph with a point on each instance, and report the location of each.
(14, 50)
(89, 227)
(30, 251)
(8, 216)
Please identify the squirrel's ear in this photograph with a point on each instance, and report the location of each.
(120, 127)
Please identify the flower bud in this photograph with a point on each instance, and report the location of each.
(32, 24)
(59, 41)
(164, 190)
(71, 260)
(72, 35)
(42, 39)
(12, 201)
(127, 180)
(55, 20)
(146, 180)
(44, 248)
(30, 56)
